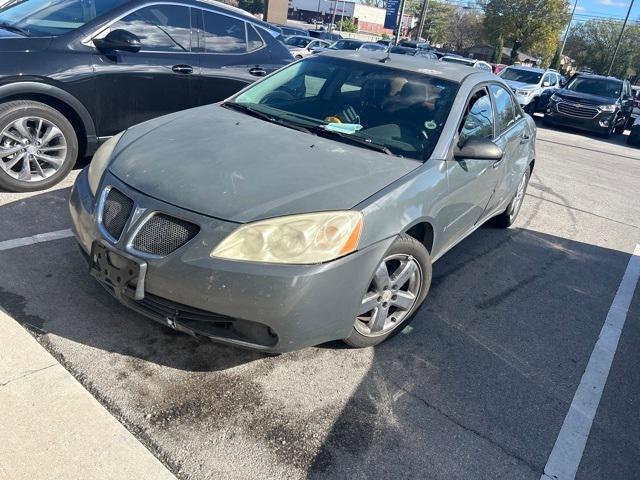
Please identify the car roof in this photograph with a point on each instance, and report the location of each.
(447, 71)
(530, 69)
(593, 75)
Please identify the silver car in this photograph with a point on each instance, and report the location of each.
(309, 207)
(530, 84)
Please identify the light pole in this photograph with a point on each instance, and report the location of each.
(399, 23)
(624, 25)
(566, 33)
(423, 17)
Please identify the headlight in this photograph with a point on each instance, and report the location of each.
(555, 98)
(100, 161)
(295, 239)
(607, 108)
(525, 93)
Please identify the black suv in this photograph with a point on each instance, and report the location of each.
(75, 72)
(591, 102)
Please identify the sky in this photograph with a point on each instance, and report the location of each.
(606, 8)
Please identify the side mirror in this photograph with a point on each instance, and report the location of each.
(118, 40)
(478, 149)
(546, 84)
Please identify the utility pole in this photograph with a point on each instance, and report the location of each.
(333, 17)
(399, 24)
(423, 17)
(624, 25)
(566, 33)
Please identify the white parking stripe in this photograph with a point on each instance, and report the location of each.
(41, 237)
(567, 452)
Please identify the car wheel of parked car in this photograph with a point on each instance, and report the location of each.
(38, 146)
(398, 288)
(506, 218)
(621, 128)
(531, 108)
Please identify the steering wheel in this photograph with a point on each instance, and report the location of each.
(283, 94)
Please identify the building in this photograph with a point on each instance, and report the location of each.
(368, 19)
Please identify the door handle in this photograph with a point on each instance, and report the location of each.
(257, 71)
(525, 138)
(186, 69)
(497, 163)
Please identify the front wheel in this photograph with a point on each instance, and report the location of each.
(531, 107)
(398, 288)
(506, 218)
(621, 128)
(38, 146)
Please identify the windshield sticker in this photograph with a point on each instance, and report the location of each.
(429, 71)
(348, 128)
(430, 125)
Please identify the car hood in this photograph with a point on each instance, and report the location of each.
(585, 98)
(14, 42)
(524, 86)
(232, 166)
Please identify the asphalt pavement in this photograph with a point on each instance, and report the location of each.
(477, 387)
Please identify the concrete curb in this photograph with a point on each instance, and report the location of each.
(51, 427)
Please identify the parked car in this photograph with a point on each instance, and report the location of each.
(635, 113)
(75, 72)
(291, 31)
(372, 47)
(312, 211)
(498, 67)
(332, 37)
(384, 42)
(413, 52)
(592, 102)
(469, 62)
(344, 44)
(529, 84)
(634, 133)
(415, 44)
(302, 46)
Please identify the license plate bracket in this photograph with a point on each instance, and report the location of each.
(124, 273)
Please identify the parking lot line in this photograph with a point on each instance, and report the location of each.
(39, 238)
(566, 455)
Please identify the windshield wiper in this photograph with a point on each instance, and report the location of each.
(321, 131)
(13, 28)
(265, 116)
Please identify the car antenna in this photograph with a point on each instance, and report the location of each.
(387, 58)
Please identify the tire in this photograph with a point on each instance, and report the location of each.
(506, 218)
(619, 130)
(531, 107)
(28, 169)
(407, 253)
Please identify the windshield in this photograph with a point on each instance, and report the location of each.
(604, 87)
(461, 61)
(50, 18)
(300, 42)
(519, 75)
(346, 45)
(357, 103)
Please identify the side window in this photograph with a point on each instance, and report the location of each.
(478, 121)
(223, 34)
(254, 40)
(505, 116)
(547, 78)
(161, 28)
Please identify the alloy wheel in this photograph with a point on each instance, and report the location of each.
(517, 201)
(391, 296)
(32, 149)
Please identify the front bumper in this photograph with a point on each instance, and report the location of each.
(600, 123)
(275, 308)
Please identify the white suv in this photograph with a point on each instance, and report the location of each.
(529, 84)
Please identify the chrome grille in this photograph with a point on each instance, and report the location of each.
(163, 234)
(115, 212)
(573, 110)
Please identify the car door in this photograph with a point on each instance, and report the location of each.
(471, 182)
(233, 54)
(513, 137)
(626, 101)
(159, 79)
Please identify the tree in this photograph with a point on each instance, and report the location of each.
(437, 21)
(555, 62)
(465, 29)
(531, 25)
(591, 44)
(497, 51)
(346, 25)
(252, 6)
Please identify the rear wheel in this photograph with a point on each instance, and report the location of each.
(398, 288)
(506, 218)
(38, 146)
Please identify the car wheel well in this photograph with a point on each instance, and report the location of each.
(63, 108)
(531, 165)
(423, 232)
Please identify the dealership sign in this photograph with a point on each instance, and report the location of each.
(391, 18)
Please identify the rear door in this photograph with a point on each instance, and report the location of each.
(233, 54)
(159, 79)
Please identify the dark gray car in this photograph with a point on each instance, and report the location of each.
(310, 206)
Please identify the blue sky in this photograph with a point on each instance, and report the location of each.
(606, 8)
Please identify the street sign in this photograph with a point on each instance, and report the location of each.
(391, 17)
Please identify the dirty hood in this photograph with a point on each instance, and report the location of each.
(228, 165)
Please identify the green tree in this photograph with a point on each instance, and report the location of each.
(555, 62)
(437, 21)
(346, 25)
(497, 51)
(591, 44)
(465, 29)
(530, 25)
